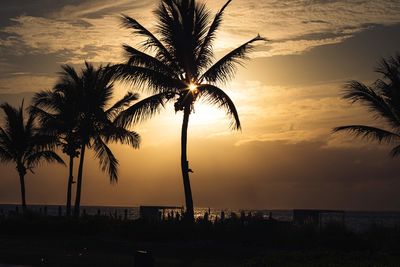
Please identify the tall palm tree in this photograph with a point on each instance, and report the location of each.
(383, 100)
(181, 69)
(96, 127)
(58, 111)
(21, 143)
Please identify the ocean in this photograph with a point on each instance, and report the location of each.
(355, 220)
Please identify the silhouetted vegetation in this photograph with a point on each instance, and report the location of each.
(58, 111)
(383, 100)
(182, 70)
(22, 143)
(77, 112)
(100, 240)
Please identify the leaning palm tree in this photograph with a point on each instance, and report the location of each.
(96, 127)
(22, 143)
(181, 68)
(58, 111)
(383, 100)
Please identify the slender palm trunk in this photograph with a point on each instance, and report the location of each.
(79, 182)
(185, 166)
(22, 183)
(69, 186)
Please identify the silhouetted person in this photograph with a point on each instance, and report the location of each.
(126, 214)
(206, 216)
(222, 216)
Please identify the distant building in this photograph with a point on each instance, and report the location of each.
(316, 217)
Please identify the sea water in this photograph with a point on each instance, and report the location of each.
(355, 220)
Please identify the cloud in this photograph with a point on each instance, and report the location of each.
(75, 28)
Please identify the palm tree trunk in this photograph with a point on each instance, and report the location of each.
(22, 183)
(69, 186)
(185, 166)
(79, 182)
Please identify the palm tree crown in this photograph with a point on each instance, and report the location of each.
(383, 100)
(58, 112)
(22, 143)
(181, 68)
(183, 57)
(96, 127)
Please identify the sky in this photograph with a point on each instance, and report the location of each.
(288, 97)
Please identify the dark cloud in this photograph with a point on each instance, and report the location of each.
(317, 21)
(40, 8)
(355, 57)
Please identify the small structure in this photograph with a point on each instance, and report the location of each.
(315, 217)
(154, 214)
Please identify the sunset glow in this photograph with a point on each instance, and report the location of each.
(193, 87)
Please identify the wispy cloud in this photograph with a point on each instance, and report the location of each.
(91, 30)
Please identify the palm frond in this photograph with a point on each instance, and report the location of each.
(108, 162)
(6, 144)
(390, 69)
(42, 116)
(395, 152)
(141, 59)
(5, 155)
(143, 110)
(43, 142)
(369, 133)
(205, 55)
(69, 74)
(13, 120)
(224, 69)
(151, 41)
(46, 99)
(152, 81)
(34, 159)
(358, 92)
(216, 96)
(117, 134)
(113, 111)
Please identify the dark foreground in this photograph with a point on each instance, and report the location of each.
(102, 241)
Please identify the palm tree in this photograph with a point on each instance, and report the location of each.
(383, 100)
(181, 69)
(21, 143)
(96, 127)
(58, 112)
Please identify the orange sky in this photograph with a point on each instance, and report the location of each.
(288, 99)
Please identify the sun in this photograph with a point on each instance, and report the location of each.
(192, 87)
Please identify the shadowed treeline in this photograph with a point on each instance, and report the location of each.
(107, 241)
